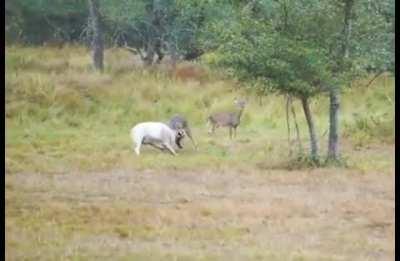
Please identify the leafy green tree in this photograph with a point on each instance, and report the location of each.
(38, 21)
(153, 28)
(258, 53)
(359, 38)
(307, 47)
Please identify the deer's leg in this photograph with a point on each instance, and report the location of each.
(212, 130)
(234, 131)
(209, 124)
(230, 132)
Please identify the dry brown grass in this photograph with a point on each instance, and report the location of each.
(190, 72)
(320, 214)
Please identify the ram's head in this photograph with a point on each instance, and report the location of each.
(180, 134)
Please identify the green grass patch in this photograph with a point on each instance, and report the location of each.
(62, 116)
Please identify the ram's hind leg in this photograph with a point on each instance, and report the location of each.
(137, 140)
(137, 148)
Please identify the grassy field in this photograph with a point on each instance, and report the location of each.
(76, 191)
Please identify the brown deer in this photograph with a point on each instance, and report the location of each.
(227, 119)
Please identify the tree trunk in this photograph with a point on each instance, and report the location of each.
(149, 57)
(333, 146)
(97, 40)
(296, 127)
(348, 6)
(172, 49)
(334, 95)
(153, 44)
(158, 51)
(311, 129)
(288, 123)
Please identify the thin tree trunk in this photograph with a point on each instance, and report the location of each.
(333, 146)
(311, 129)
(174, 54)
(171, 49)
(297, 127)
(158, 51)
(347, 27)
(149, 57)
(288, 123)
(153, 12)
(97, 40)
(334, 95)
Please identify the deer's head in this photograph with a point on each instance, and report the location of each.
(240, 103)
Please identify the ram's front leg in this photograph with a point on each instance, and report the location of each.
(169, 147)
(160, 147)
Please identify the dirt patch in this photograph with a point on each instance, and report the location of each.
(323, 213)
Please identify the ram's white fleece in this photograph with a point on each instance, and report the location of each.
(153, 132)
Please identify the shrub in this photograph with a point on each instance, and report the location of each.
(370, 127)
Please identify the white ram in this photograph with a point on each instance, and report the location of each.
(156, 134)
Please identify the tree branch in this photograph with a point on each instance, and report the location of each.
(373, 79)
(135, 51)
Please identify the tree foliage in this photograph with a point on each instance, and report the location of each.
(193, 27)
(281, 63)
(38, 21)
(168, 26)
(302, 47)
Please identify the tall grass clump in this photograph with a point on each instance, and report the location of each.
(371, 115)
